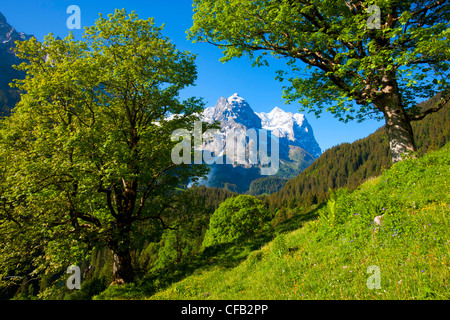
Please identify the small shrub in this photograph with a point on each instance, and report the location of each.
(237, 218)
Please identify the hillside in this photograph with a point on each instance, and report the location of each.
(227, 257)
(335, 255)
(266, 185)
(348, 165)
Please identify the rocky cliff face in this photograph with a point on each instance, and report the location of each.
(232, 113)
(8, 36)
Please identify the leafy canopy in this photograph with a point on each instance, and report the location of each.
(334, 58)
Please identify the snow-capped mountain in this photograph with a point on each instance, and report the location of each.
(297, 145)
(293, 127)
(234, 112)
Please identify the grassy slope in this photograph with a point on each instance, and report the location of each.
(328, 258)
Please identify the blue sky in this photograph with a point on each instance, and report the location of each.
(215, 79)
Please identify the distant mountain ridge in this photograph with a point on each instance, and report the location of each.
(234, 112)
(293, 127)
(8, 34)
(297, 142)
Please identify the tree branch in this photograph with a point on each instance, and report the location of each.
(149, 189)
(444, 100)
(108, 200)
(158, 217)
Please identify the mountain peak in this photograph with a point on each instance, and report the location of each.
(2, 19)
(235, 112)
(8, 34)
(296, 143)
(291, 126)
(232, 112)
(235, 99)
(277, 110)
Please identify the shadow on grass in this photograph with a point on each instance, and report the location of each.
(226, 256)
(296, 221)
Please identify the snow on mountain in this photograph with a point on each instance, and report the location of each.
(293, 127)
(236, 100)
(234, 112)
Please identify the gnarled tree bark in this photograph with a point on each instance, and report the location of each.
(398, 125)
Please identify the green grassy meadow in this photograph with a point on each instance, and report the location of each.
(330, 252)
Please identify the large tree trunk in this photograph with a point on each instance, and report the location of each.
(398, 125)
(120, 241)
(401, 138)
(122, 268)
(120, 245)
